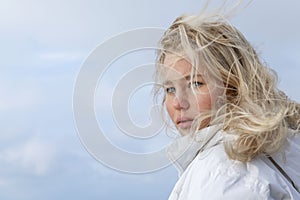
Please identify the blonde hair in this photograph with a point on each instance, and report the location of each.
(254, 109)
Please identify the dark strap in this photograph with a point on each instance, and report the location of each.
(283, 173)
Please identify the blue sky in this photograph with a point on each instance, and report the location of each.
(43, 46)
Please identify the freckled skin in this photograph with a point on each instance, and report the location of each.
(182, 102)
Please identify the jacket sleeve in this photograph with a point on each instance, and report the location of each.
(211, 178)
(205, 184)
(230, 190)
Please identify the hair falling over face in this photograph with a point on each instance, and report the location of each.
(252, 107)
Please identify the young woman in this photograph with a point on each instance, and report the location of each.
(240, 136)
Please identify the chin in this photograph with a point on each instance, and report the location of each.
(184, 132)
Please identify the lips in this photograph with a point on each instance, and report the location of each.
(184, 122)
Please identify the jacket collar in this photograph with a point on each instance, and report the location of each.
(184, 149)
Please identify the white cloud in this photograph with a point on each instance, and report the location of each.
(35, 156)
(19, 98)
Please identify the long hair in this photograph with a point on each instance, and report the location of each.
(254, 110)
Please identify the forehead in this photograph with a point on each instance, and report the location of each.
(179, 67)
(177, 64)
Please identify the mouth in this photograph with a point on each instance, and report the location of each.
(184, 123)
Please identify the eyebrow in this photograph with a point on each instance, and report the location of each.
(187, 77)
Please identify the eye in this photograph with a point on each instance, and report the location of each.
(196, 84)
(170, 90)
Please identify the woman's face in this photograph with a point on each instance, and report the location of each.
(186, 97)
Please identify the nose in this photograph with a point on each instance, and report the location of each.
(180, 102)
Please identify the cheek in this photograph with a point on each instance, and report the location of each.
(169, 107)
(204, 102)
(207, 99)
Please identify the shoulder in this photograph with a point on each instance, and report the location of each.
(212, 175)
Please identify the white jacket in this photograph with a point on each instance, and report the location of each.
(207, 173)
